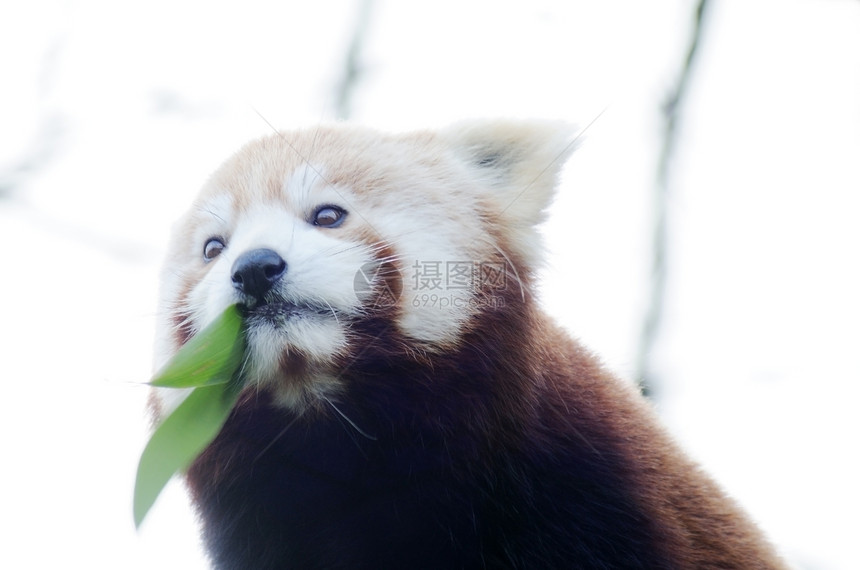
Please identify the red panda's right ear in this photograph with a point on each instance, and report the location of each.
(520, 161)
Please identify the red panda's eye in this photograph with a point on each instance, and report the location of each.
(329, 217)
(213, 248)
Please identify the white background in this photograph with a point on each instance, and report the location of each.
(111, 116)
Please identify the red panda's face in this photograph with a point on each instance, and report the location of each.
(314, 234)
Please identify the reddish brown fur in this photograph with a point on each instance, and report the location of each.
(530, 395)
(506, 445)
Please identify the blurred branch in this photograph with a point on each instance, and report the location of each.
(352, 68)
(48, 140)
(36, 158)
(120, 248)
(671, 110)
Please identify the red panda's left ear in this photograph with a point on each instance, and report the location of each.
(520, 161)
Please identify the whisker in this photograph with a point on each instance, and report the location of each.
(349, 421)
(276, 438)
(211, 213)
(522, 286)
(333, 312)
(310, 153)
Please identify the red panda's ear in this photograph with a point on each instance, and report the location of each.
(520, 160)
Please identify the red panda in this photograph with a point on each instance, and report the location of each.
(408, 402)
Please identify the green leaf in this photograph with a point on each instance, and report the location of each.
(210, 363)
(179, 439)
(209, 357)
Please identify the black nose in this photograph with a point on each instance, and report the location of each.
(255, 272)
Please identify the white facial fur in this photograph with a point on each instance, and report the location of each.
(424, 198)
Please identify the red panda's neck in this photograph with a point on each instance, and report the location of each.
(486, 384)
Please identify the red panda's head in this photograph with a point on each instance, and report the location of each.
(326, 235)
